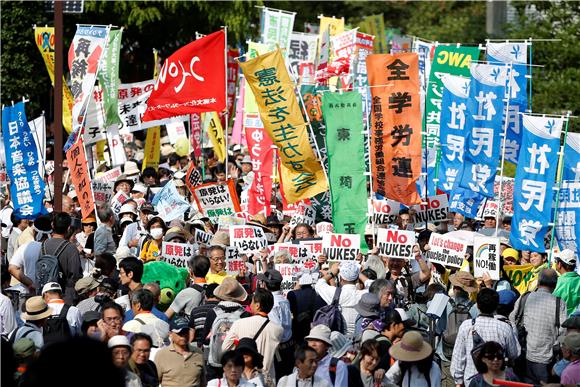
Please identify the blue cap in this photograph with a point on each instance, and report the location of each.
(507, 297)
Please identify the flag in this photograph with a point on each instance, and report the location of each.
(568, 219)
(192, 80)
(375, 25)
(453, 118)
(213, 127)
(261, 154)
(250, 105)
(44, 37)
(535, 176)
(26, 184)
(38, 130)
(333, 25)
(95, 129)
(302, 174)
(348, 182)
(571, 170)
(396, 126)
(169, 203)
(84, 57)
(195, 129)
(484, 126)
(109, 77)
(237, 131)
(79, 175)
(152, 148)
(302, 50)
(276, 27)
(232, 78)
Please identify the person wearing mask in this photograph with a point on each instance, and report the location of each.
(52, 294)
(104, 242)
(135, 232)
(151, 249)
(121, 353)
(306, 362)
(130, 273)
(191, 297)
(139, 362)
(490, 364)
(568, 281)
(144, 321)
(331, 370)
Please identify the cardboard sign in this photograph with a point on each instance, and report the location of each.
(226, 221)
(446, 251)
(314, 245)
(233, 261)
(215, 199)
(289, 276)
(489, 209)
(396, 243)
(117, 201)
(341, 247)
(110, 175)
(384, 211)
(434, 211)
(247, 239)
(298, 252)
(486, 256)
(176, 254)
(304, 214)
(103, 192)
(324, 228)
(202, 237)
(193, 178)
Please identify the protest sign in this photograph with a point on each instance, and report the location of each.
(110, 175)
(507, 193)
(80, 178)
(175, 131)
(384, 211)
(314, 246)
(446, 251)
(215, 199)
(299, 253)
(169, 203)
(177, 254)
(520, 276)
(225, 221)
(396, 243)
(192, 178)
(488, 210)
(118, 200)
(486, 257)
(102, 191)
(202, 237)
(434, 211)
(152, 150)
(304, 214)
(233, 261)
(341, 247)
(247, 239)
(324, 228)
(289, 276)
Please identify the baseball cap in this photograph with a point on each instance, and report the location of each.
(271, 276)
(178, 326)
(51, 287)
(567, 256)
(148, 207)
(118, 341)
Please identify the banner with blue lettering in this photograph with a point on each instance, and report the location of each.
(484, 126)
(568, 220)
(572, 158)
(169, 203)
(465, 201)
(535, 177)
(26, 184)
(452, 131)
(517, 54)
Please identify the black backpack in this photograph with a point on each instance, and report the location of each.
(48, 266)
(56, 328)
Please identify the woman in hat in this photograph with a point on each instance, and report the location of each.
(151, 249)
(123, 183)
(414, 366)
(253, 364)
(491, 364)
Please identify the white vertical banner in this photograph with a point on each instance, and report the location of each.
(38, 129)
(94, 121)
(276, 28)
(116, 149)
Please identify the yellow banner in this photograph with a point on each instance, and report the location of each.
(213, 127)
(250, 106)
(520, 276)
(152, 148)
(375, 25)
(101, 150)
(302, 173)
(44, 38)
(336, 26)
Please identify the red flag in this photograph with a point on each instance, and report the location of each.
(192, 80)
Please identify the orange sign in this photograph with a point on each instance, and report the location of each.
(77, 163)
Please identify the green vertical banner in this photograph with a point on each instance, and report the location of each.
(452, 60)
(109, 78)
(346, 162)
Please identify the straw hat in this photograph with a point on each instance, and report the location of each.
(321, 333)
(230, 290)
(220, 238)
(36, 309)
(411, 348)
(130, 168)
(464, 280)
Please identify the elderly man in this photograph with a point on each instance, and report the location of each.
(144, 321)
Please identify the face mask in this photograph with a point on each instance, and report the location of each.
(156, 233)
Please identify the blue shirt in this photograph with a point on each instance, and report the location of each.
(156, 312)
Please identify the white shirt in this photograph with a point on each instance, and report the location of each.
(25, 258)
(224, 383)
(5, 214)
(73, 316)
(349, 297)
(290, 381)
(154, 327)
(341, 372)
(133, 231)
(281, 315)
(7, 318)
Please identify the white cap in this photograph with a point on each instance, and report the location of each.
(51, 287)
(72, 194)
(127, 209)
(118, 341)
(139, 187)
(567, 256)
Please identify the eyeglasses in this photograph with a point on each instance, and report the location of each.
(112, 319)
(219, 259)
(494, 356)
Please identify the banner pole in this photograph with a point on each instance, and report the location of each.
(226, 99)
(58, 107)
(504, 138)
(370, 174)
(559, 187)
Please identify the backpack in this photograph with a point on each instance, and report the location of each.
(183, 316)
(219, 329)
(478, 342)
(48, 267)
(305, 317)
(12, 337)
(56, 328)
(332, 368)
(459, 313)
(331, 315)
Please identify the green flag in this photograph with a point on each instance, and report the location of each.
(346, 163)
(109, 78)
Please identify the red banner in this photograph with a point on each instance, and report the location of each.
(261, 153)
(396, 125)
(195, 127)
(78, 167)
(233, 69)
(192, 80)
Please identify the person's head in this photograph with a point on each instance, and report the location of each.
(525, 258)
(199, 266)
(142, 301)
(538, 259)
(306, 361)
(385, 291)
(249, 350)
(458, 220)
(209, 289)
(510, 256)
(489, 222)
(156, 228)
(507, 223)
(42, 228)
(68, 205)
(112, 315)
(490, 358)
(120, 350)
(303, 231)
(149, 176)
(145, 212)
(369, 353)
(233, 365)
(130, 270)
(61, 222)
(319, 340)
(36, 311)
(404, 219)
(271, 279)
(155, 289)
(394, 327)
(181, 334)
(220, 173)
(51, 291)
(89, 225)
(217, 259)
(89, 325)
(141, 344)
(396, 266)
(106, 214)
(107, 263)
(246, 165)
(548, 278)
(262, 301)
(349, 272)
(17, 222)
(571, 346)
(566, 261)
(487, 301)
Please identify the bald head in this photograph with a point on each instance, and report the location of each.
(67, 204)
(548, 278)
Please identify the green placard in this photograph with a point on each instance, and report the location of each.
(109, 78)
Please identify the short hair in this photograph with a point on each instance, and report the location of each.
(149, 172)
(144, 298)
(156, 219)
(566, 266)
(305, 225)
(487, 300)
(300, 353)
(273, 286)
(173, 158)
(234, 357)
(141, 336)
(113, 305)
(488, 348)
(199, 265)
(370, 347)
(369, 273)
(132, 265)
(265, 299)
(548, 278)
(215, 247)
(15, 219)
(378, 286)
(154, 288)
(61, 222)
(391, 317)
(209, 289)
(106, 262)
(105, 212)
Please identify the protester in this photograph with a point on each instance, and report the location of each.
(329, 369)
(571, 374)
(36, 311)
(192, 296)
(130, 273)
(253, 364)
(139, 362)
(306, 362)
(111, 322)
(568, 281)
(144, 321)
(414, 365)
(151, 248)
(491, 364)
(52, 294)
(104, 242)
(121, 352)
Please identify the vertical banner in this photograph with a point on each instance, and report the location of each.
(232, 79)
(348, 183)
(152, 148)
(517, 54)
(484, 122)
(109, 77)
(79, 174)
(364, 47)
(26, 184)
(568, 220)
(250, 105)
(237, 129)
(261, 152)
(38, 129)
(571, 170)
(396, 121)
(302, 50)
(453, 133)
(213, 127)
(276, 27)
(95, 129)
(195, 128)
(333, 25)
(44, 38)
(535, 176)
(375, 25)
(302, 174)
(84, 57)
(116, 150)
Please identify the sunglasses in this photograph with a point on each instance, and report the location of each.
(494, 356)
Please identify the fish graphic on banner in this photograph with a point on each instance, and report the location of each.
(535, 177)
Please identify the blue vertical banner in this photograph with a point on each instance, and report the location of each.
(26, 184)
(452, 131)
(517, 54)
(572, 160)
(535, 177)
(568, 219)
(484, 126)
(465, 201)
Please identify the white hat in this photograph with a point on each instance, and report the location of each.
(72, 194)
(246, 160)
(130, 168)
(51, 287)
(179, 175)
(139, 187)
(567, 256)
(306, 278)
(127, 209)
(118, 341)
(321, 333)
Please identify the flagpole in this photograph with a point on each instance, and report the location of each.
(226, 98)
(58, 89)
(369, 172)
(559, 187)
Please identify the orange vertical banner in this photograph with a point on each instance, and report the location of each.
(78, 167)
(396, 125)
